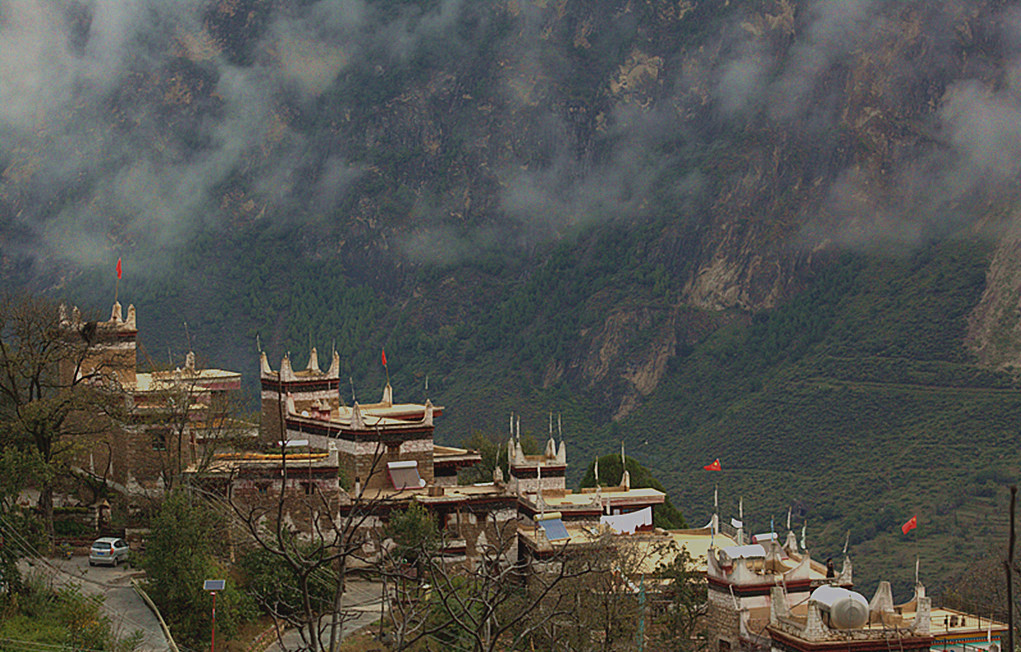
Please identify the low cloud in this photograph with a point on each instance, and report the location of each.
(132, 124)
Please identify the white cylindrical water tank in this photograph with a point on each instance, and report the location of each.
(846, 609)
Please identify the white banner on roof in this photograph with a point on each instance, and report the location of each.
(628, 523)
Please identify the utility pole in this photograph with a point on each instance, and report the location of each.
(213, 586)
(1010, 573)
(641, 618)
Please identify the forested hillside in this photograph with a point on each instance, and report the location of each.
(777, 232)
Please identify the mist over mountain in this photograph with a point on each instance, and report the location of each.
(589, 207)
(436, 130)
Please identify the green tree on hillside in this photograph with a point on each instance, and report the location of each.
(186, 547)
(665, 516)
(20, 534)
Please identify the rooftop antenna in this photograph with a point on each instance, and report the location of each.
(788, 518)
(258, 343)
(804, 527)
(538, 476)
(597, 471)
(740, 519)
(187, 335)
(354, 399)
(560, 427)
(427, 385)
(916, 570)
(847, 540)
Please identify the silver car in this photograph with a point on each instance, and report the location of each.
(108, 550)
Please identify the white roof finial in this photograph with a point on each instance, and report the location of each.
(286, 372)
(357, 422)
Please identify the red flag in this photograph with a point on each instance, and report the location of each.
(715, 466)
(118, 269)
(910, 525)
(384, 357)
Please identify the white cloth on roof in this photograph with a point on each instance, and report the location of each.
(628, 523)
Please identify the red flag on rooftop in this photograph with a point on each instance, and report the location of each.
(910, 525)
(118, 269)
(715, 466)
(384, 357)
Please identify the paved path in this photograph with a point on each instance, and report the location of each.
(124, 607)
(361, 608)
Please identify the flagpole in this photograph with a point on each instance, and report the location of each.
(1010, 577)
(917, 555)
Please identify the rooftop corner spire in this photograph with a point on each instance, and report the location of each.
(428, 418)
(286, 372)
(357, 422)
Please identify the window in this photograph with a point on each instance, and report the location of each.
(159, 440)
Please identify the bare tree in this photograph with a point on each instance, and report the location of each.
(493, 601)
(605, 609)
(188, 422)
(981, 588)
(311, 536)
(52, 393)
(683, 604)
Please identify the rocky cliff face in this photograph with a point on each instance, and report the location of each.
(994, 327)
(417, 136)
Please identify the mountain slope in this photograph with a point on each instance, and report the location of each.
(750, 230)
